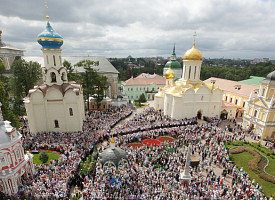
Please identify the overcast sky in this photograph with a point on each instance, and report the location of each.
(144, 28)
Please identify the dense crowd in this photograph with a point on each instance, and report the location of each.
(154, 172)
(151, 173)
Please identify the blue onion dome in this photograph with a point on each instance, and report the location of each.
(49, 39)
(173, 61)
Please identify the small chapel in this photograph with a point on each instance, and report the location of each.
(56, 105)
(189, 96)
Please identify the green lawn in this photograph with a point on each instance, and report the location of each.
(241, 160)
(271, 166)
(52, 156)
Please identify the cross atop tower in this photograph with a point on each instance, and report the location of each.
(47, 11)
(194, 36)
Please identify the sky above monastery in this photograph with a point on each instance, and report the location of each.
(144, 28)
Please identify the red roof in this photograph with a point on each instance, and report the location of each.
(146, 79)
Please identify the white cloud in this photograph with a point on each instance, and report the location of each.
(229, 28)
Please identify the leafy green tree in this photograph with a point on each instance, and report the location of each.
(72, 76)
(43, 157)
(6, 111)
(101, 86)
(25, 76)
(142, 98)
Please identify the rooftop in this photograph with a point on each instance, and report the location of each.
(146, 79)
(234, 87)
(254, 80)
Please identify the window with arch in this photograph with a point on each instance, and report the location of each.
(263, 91)
(71, 111)
(63, 77)
(53, 77)
(225, 98)
(255, 113)
(189, 72)
(195, 72)
(201, 98)
(60, 60)
(236, 101)
(54, 63)
(56, 124)
(48, 59)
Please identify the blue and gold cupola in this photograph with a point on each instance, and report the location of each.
(49, 39)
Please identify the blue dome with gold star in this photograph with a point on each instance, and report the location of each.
(49, 39)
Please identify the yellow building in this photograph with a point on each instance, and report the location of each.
(235, 96)
(259, 115)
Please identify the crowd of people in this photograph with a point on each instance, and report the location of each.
(152, 172)
(55, 180)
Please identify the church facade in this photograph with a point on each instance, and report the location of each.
(189, 96)
(259, 115)
(56, 105)
(13, 162)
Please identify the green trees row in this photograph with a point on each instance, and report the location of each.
(236, 73)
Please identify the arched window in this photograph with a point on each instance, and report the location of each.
(63, 77)
(201, 98)
(60, 60)
(71, 111)
(53, 77)
(47, 59)
(54, 63)
(263, 91)
(189, 73)
(195, 72)
(56, 124)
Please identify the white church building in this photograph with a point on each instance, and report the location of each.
(189, 96)
(57, 104)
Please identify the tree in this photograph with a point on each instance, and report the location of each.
(43, 157)
(7, 113)
(25, 76)
(141, 99)
(100, 88)
(72, 76)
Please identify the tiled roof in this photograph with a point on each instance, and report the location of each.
(104, 65)
(146, 79)
(234, 87)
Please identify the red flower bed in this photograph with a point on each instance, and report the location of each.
(134, 145)
(151, 142)
(166, 139)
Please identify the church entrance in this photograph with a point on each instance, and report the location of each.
(199, 114)
(224, 114)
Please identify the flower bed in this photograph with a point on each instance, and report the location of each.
(151, 142)
(166, 139)
(135, 145)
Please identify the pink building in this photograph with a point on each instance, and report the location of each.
(13, 162)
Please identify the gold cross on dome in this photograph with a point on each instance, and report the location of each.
(47, 12)
(194, 36)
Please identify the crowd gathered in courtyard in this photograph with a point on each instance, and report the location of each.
(152, 172)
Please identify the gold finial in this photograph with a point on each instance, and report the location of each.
(112, 140)
(47, 12)
(194, 36)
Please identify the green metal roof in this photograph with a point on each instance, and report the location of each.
(254, 80)
(173, 61)
(174, 64)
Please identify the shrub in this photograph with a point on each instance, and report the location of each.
(44, 157)
(252, 164)
(266, 177)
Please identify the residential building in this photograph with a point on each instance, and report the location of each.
(147, 84)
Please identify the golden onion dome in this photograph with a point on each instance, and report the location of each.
(112, 140)
(192, 54)
(169, 74)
